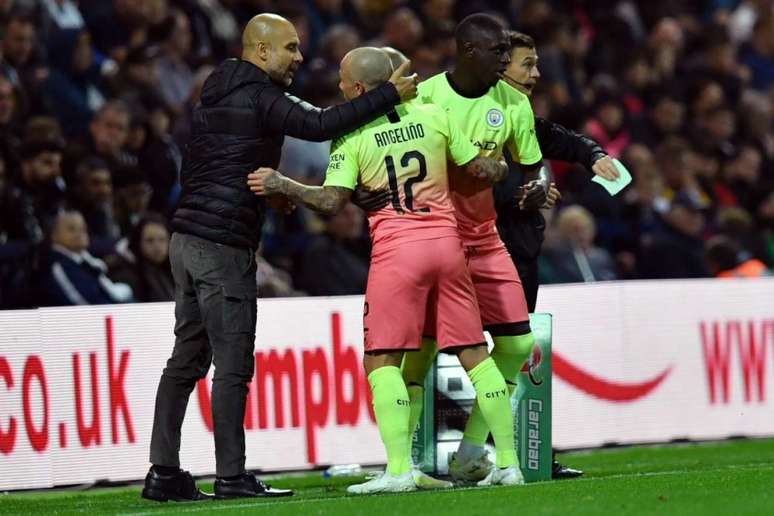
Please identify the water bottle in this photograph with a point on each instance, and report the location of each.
(343, 470)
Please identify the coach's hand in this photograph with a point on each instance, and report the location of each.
(533, 196)
(553, 196)
(406, 86)
(265, 181)
(371, 200)
(605, 168)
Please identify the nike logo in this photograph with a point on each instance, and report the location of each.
(602, 388)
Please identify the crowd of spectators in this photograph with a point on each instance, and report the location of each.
(96, 98)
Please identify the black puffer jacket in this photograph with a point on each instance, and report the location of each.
(239, 126)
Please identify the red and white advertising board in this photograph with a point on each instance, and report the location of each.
(633, 362)
(652, 361)
(77, 389)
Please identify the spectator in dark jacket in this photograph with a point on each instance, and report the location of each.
(664, 120)
(273, 281)
(9, 139)
(18, 46)
(108, 134)
(73, 89)
(74, 276)
(676, 249)
(20, 60)
(10, 222)
(158, 156)
(758, 54)
(719, 62)
(132, 196)
(92, 196)
(175, 42)
(116, 24)
(336, 262)
(137, 83)
(573, 257)
(39, 194)
(143, 264)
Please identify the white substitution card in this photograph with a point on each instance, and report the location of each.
(615, 186)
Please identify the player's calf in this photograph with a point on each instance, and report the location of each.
(493, 398)
(391, 407)
(509, 354)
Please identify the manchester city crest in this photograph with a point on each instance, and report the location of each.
(494, 117)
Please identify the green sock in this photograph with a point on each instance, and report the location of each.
(414, 368)
(391, 407)
(492, 397)
(509, 353)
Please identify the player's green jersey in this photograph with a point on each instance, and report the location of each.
(407, 152)
(500, 119)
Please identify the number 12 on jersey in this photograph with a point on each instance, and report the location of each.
(408, 191)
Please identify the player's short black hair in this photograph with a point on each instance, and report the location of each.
(521, 40)
(473, 27)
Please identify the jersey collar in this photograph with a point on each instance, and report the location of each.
(456, 89)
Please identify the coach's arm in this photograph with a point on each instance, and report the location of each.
(324, 199)
(282, 113)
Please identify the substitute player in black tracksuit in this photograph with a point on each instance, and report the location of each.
(519, 221)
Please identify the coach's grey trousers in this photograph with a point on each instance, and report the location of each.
(215, 316)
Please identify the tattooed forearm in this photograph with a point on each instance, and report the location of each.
(325, 199)
(487, 169)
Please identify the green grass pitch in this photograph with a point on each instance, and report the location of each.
(730, 477)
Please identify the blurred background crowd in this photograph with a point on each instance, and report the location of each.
(96, 98)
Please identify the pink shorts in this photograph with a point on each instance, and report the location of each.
(404, 281)
(498, 286)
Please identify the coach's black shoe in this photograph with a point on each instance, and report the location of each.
(246, 486)
(178, 486)
(559, 471)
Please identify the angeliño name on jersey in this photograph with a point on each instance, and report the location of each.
(399, 134)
